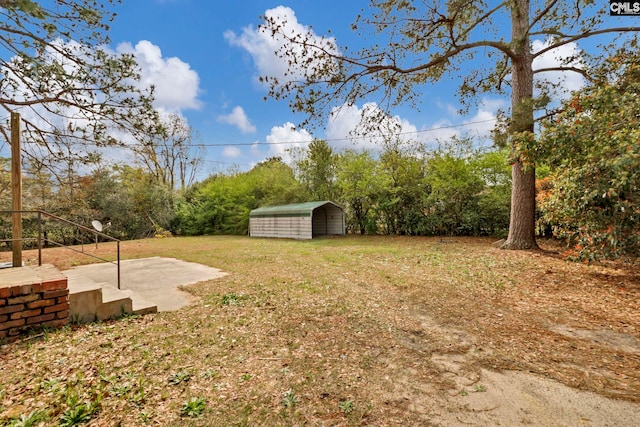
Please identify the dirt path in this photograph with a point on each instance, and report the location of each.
(477, 396)
(520, 399)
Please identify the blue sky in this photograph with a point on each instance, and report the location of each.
(213, 76)
(196, 36)
(204, 58)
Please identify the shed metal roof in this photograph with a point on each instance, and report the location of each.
(297, 209)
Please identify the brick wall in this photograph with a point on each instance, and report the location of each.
(32, 297)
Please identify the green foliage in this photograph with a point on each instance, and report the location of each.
(452, 205)
(593, 149)
(462, 192)
(317, 171)
(133, 201)
(359, 188)
(232, 299)
(193, 407)
(404, 191)
(77, 414)
(221, 205)
(346, 406)
(403, 188)
(32, 419)
(5, 183)
(136, 204)
(495, 198)
(289, 399)
(179, 378)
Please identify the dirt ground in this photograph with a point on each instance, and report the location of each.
(491, 397)
(410, 331)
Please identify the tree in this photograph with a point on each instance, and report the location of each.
(136, 204)
(171, 154)
(69, 88)
(593, 149)
(454, 194)
(317, 170)
(359, 188)
(430, 39)
(5, 183)
(400, 201)
(493, 205)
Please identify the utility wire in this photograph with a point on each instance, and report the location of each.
(238, 144)
(226, 144)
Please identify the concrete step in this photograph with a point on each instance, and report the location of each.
(90, 301)
(115, 303)
(140, 305)
(84, 301)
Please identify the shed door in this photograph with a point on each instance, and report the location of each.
(319, 222)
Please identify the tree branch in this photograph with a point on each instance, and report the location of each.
(580, 71)
(542, 13)
(372, 69)
(576, 37)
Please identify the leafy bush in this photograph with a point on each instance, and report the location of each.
(593, 149)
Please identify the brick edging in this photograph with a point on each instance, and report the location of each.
(44, 303)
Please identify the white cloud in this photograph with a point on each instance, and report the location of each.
(176, 84)
(566, 55)
(281, 140)
(239, 119)
(483, 122)
(346, 128)
(262, 44)
(478, 127)
(440, 131)
(341, 123)
(231, 152)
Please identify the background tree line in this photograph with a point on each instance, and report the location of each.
(403, 190)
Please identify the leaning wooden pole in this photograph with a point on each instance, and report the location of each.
(16, 191)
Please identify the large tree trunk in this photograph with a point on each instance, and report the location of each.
(523, 193)
(523, 209)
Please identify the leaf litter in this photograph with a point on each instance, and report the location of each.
(407, 330)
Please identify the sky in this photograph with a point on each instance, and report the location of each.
(204, 58)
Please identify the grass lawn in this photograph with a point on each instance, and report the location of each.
(336, 331)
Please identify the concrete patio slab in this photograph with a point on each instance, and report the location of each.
(156, 279)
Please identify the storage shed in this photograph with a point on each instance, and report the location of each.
(297, 221)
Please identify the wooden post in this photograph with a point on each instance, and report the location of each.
(16, 190)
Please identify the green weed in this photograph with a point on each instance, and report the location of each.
(346, 406)
(78, 414)
(479, 388)
(289, 399)
(179, 377)
(32, 419)
(121, 390)
(232, 299)
(210, 374)
(194, 407)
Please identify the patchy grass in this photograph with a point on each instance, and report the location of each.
(335, 331)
